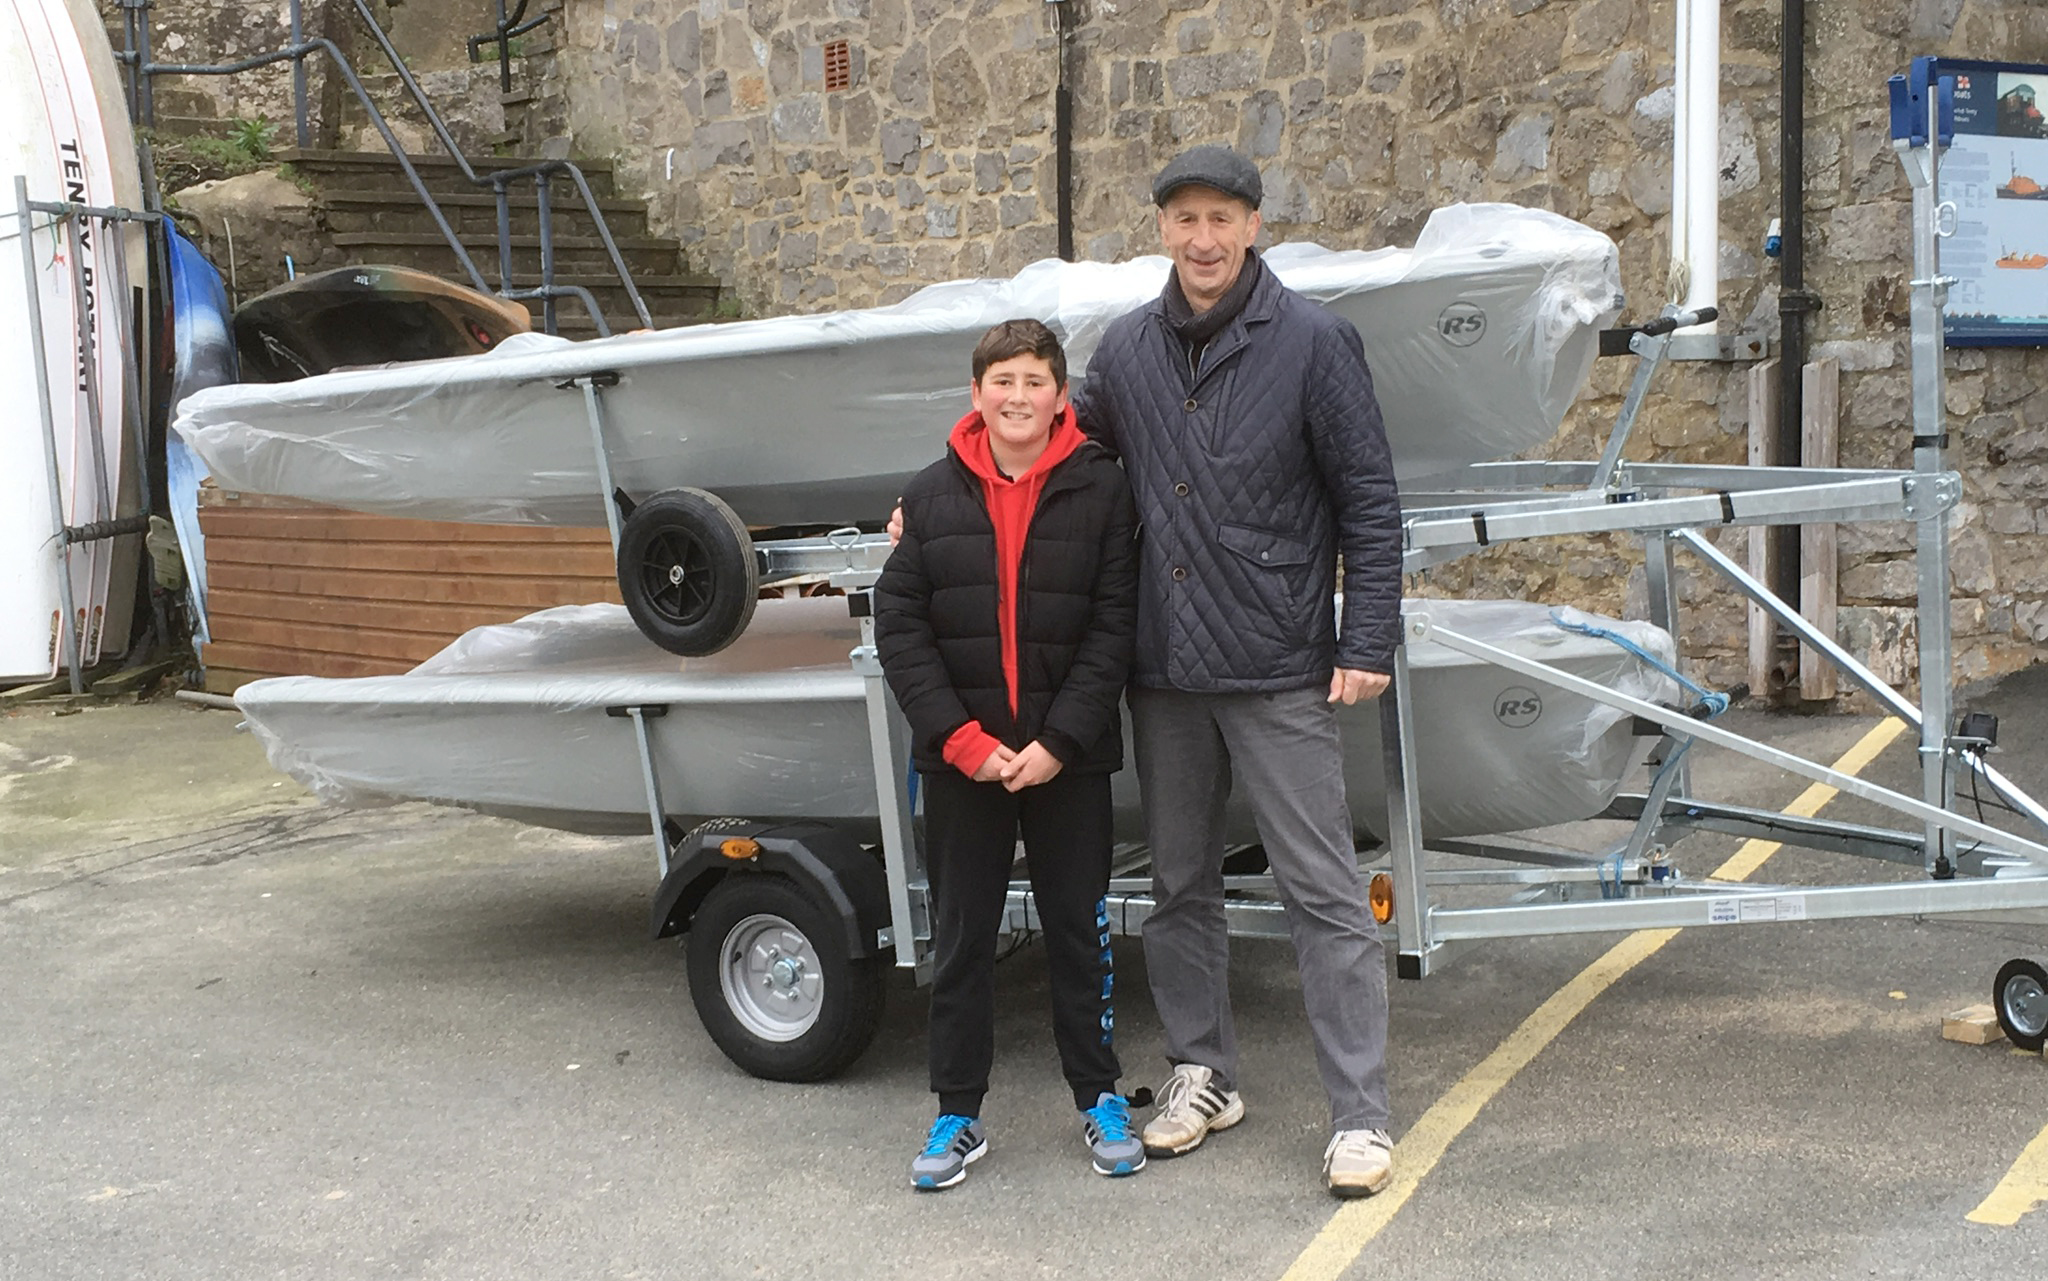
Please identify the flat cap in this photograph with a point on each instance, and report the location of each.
(1210, 166)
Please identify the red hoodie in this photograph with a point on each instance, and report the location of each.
(1011, 501)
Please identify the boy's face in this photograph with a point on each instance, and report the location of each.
(1019, 400)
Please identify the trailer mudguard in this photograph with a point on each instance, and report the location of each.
(846, 879)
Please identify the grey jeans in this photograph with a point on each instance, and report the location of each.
(1286, 749)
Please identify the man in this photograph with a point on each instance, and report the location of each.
(1246, 420)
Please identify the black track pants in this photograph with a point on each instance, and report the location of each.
(971, 830)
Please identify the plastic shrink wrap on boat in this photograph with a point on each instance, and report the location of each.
(1478, 338)
(511, 719)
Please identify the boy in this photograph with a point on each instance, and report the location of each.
(1005, 620)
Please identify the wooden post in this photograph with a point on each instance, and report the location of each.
(1817, 590)
(1763, 424)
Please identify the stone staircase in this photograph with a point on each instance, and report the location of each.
(371, 215)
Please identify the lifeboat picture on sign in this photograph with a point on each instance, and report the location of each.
(2024, 262)
(2020, 186)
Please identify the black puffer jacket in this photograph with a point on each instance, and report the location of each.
(1250, 477)
(936, 624)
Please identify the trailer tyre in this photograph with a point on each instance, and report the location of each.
(2020, 995)
(774, 983)
(687, 571)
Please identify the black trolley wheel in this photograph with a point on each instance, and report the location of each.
(774, 981)
(687, 571)
(2020, 996)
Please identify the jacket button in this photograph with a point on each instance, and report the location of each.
(1179, 573)
(1265, 555)
(1190, 406)
(1181, 489)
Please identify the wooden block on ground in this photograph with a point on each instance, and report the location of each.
(39, 689)
(130, 679)
(1972, 1025)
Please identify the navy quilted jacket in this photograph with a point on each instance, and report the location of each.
(1251, 476)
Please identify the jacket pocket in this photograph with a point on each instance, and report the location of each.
(1263, 547)
(1271, 592)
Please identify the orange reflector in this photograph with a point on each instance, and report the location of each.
(1379, 895)
(739, 847)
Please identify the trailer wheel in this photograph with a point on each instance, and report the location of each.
(774, 983)
(687, 571)
(2020, 995)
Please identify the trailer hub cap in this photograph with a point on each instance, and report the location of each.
(771, 978)
(2026, 1004)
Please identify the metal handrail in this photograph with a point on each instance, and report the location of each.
(507, 28)
(497, 180)
(300, 51)
(141, 95)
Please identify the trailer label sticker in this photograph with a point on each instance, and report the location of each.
(1756, 909)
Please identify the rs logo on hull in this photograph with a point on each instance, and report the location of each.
(1517, 707)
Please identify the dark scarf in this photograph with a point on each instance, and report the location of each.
(1195, 330)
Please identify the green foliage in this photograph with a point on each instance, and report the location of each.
(291, 174)
(728, 307)
(252, 137)
(182, 160)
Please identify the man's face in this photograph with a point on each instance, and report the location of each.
(1018, 399)
(1206, 233)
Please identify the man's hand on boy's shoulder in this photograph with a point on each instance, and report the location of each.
(1030, 767)
(896, 524)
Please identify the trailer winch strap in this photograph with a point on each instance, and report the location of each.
(1713, 701)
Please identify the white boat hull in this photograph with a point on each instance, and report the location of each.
(510, 720)
(1478, 339)
(64, 128)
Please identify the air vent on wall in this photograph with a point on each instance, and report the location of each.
(838, 66)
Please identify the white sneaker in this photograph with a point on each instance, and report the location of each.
(1191, 1104)
(1358, 1162)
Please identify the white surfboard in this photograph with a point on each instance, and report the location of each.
(64, 127)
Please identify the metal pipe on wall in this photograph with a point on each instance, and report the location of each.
(1696, 162)
(1063, 128)
(1794, 301)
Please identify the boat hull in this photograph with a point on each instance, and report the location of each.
(64, 128)
(511, 720)
(1478, 338)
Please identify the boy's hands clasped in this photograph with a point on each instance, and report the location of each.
(1030, 767)
(1018, 770)
(991, 770)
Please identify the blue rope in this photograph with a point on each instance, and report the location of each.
(1714, 701)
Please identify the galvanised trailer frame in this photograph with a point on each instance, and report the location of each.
(766, 971)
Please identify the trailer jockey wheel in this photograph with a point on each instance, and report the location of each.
(775, 983)
(687, 571)
(2020, 995)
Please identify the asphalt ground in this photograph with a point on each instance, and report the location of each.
(250, 1036)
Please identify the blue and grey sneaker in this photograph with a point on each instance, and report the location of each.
(955, 1141)
(1107, 1127)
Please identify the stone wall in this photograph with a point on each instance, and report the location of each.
(430, 37)
(937, 161)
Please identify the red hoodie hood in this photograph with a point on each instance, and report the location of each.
(970, 441)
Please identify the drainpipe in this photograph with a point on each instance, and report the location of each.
(1794, 302)
(1063, 129)
(1695, 174)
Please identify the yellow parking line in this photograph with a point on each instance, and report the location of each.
(1356, 1223)
(2024, 1187)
